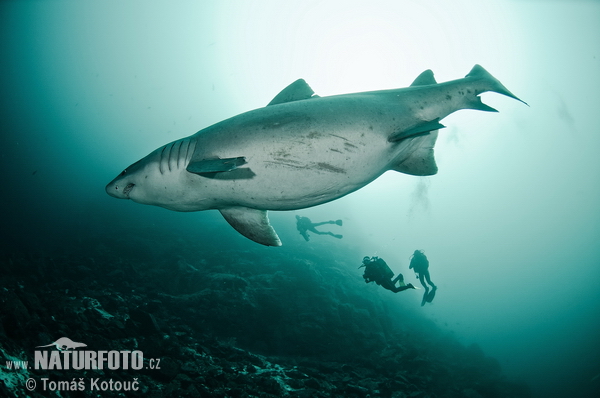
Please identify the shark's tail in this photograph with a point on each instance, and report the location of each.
(489, 83)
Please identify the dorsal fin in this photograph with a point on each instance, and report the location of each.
(424, 79)
(298, 90)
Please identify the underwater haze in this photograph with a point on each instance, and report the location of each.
(510, 223)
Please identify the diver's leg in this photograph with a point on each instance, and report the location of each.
(321, 233)
(400, 278)
(422, 279)
(429, 279)
(336, 222)
(402, 288)
(316, 224)
(326, 233)
(389, 285)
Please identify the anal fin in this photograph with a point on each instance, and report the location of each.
(252, 223)
(421, 161)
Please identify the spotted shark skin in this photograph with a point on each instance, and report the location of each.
(301, 150)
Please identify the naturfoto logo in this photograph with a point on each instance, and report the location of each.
(66, 356)
(64, 343)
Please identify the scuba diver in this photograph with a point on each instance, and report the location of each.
(303, 224)
(420, 264)
(376, 270)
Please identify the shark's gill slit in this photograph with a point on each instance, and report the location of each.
(170, 155)
(188, 154)
(179, 153)
(161, 160)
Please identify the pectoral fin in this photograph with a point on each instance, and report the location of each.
(419, 129)
(253, 224)
(207, 166)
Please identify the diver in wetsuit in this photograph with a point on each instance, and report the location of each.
(420, 264)
(303, 224)
(376, 270)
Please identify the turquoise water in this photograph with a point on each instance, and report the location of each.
(510, 223)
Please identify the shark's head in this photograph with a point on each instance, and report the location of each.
(159, 179)
(130, 179)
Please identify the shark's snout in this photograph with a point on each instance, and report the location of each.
(119, 191)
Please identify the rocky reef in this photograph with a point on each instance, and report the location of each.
(213, 321)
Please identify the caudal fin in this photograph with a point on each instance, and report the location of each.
(492, 84)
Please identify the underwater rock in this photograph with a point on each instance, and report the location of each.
(169, 369)
(145, 322)
(297, 326)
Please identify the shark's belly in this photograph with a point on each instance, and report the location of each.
(297, 158)
(304, 170)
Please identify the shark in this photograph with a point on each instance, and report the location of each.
(302, 150)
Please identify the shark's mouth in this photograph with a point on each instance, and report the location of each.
(128, 189)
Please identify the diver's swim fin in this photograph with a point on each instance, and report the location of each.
(431, 295)
(339, 222)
